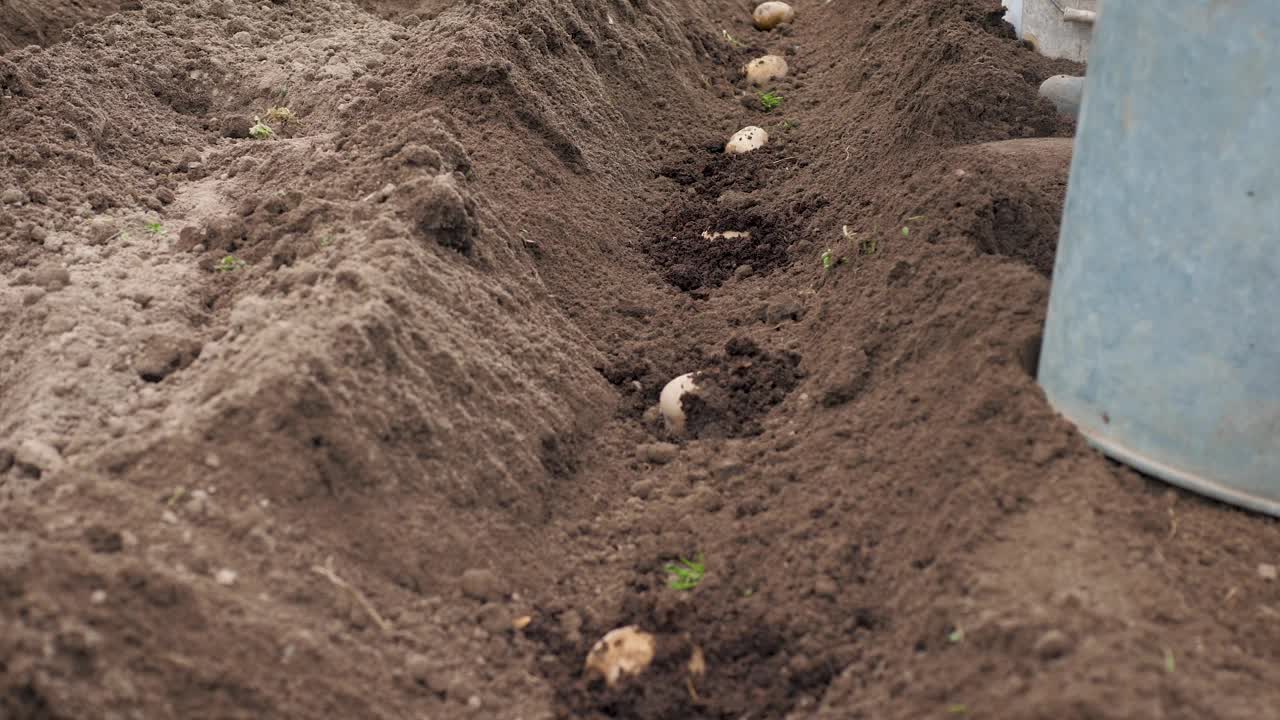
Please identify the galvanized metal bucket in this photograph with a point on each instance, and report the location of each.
(1162, 342)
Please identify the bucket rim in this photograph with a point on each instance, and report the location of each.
(1174, 476)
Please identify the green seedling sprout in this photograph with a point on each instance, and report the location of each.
(686, 574)
(733, 41)
(906, 229)
(866, 245)
(770, 101)
(956, 636)
(155, 228)
(260, 130)
(829, 259)
(230, 263)
(176, 497)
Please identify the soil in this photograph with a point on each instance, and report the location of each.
(43, 22)
(355, 420)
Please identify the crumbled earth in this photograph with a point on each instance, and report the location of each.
(353, 419)
(44, 22)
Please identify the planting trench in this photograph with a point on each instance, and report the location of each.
(327, 478)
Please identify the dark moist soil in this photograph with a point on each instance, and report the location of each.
(358, 421)
(742, 384)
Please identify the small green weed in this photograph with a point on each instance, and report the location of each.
(770, 101)
(956, 636)
(155, 228)
(230, 263)
(686, 574)
(1170, 665)
(788, 125)
(326, 241)
(260, 130)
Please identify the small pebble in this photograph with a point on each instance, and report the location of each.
(98, 597)
(1267, 571)
(12, 196)
(225, 576)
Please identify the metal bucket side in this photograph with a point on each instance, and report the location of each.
(1162, 342)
